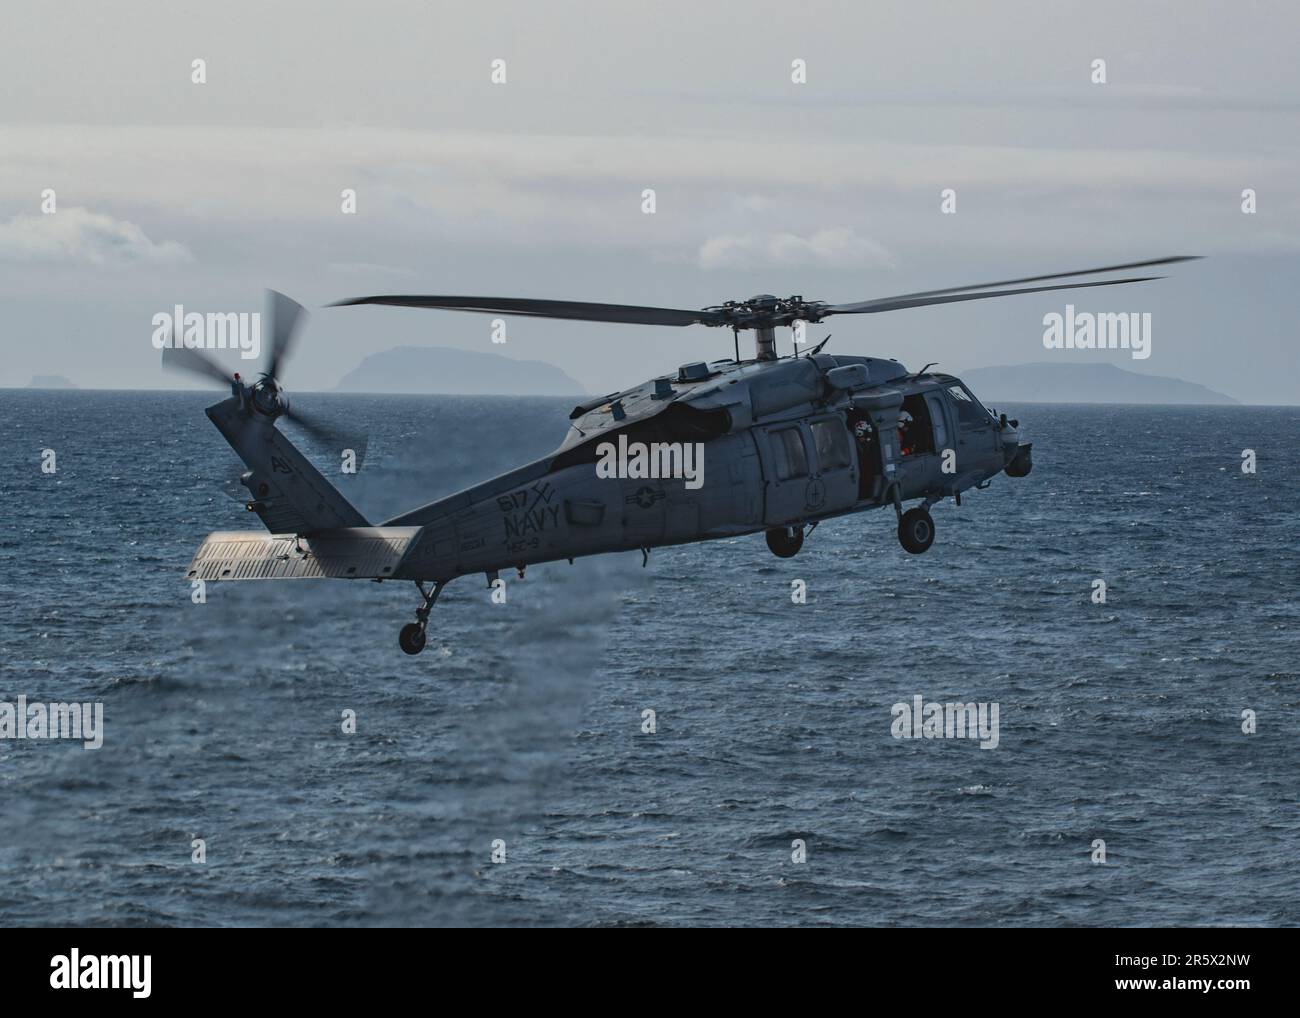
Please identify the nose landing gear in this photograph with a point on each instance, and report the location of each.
(412, 637)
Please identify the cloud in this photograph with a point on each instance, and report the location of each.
(837, 247)
(79, 235)
(519, 190)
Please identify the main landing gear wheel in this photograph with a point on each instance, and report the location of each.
(916, 530)
(411, 638)
(785, 542)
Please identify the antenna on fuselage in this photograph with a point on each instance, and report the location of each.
(818, 348)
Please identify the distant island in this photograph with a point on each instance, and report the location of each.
(50, 382)
(1041, 382)
(441, 369)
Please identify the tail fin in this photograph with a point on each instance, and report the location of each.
(287, 492)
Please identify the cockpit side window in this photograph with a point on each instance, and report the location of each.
(970, 411)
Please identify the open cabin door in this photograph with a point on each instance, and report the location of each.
(873, 419)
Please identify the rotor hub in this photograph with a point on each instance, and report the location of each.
(268, 398)
(765, 311)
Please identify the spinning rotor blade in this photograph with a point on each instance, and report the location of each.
(333, 438)
(762, 312)
(286, 315)
(572, 310)
(195, 362)
(1038, 279)
(943, 297)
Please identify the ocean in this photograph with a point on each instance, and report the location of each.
(519, 732)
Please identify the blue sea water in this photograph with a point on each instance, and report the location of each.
(523, 722)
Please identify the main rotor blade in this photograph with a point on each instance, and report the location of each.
(909, 301)
(334, 438)
(286, 315)
(572, 310)
(182, 358)
(1038, 279)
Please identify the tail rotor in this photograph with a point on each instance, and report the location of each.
(267, 397)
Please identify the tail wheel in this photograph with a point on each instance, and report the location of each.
(785, 542)
(916, 530)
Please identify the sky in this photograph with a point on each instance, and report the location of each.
(173, 192)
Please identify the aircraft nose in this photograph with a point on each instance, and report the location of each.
(1022, 462)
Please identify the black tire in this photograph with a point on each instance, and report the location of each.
(782, 544)
(916, 531)
(411, 638)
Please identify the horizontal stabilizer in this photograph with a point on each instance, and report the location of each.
(353, 553)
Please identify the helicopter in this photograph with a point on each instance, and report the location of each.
(717, 449)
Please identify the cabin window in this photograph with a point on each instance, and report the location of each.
(970, 412)
(832, 444)
(788, 451)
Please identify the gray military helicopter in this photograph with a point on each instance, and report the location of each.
(788, 441)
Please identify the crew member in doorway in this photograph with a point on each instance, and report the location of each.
(868, 469)
(906, 442)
